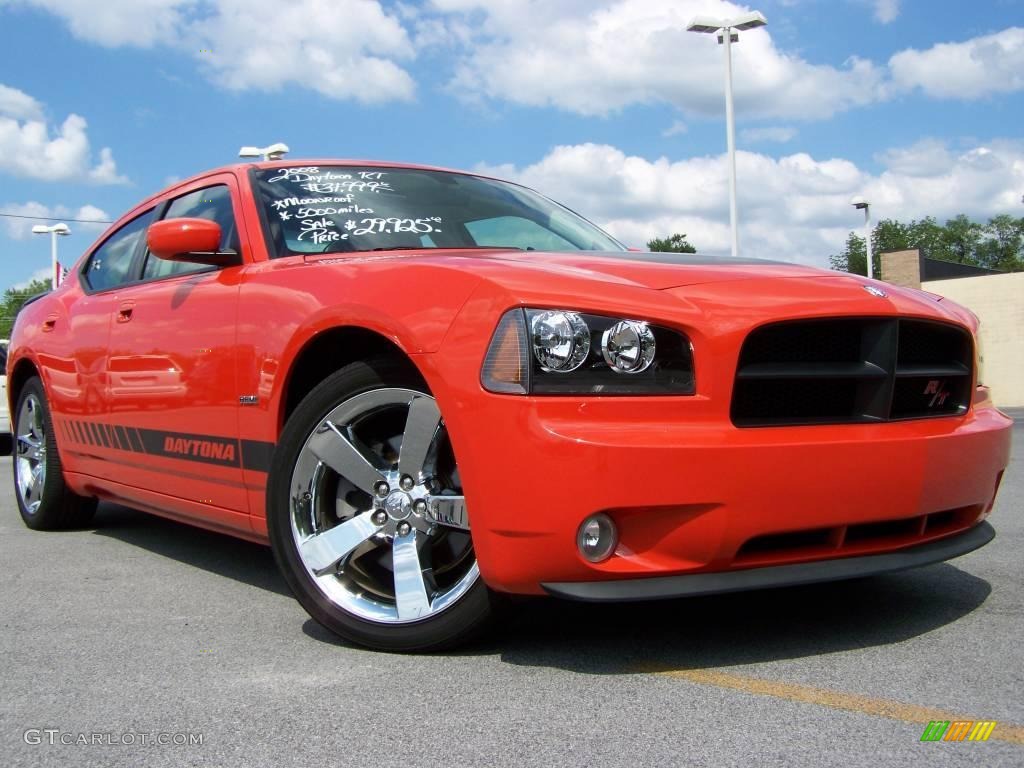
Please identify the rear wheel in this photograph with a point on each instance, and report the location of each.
(367, 517)
(44, 499)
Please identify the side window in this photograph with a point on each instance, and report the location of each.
(110, 264)
(213, 203)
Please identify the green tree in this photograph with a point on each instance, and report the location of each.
(961, 239)
(852, 259)
(926, 235)
(1003, 244)
(890, 235)
(999, 244)
(675, 244)
(12, 301)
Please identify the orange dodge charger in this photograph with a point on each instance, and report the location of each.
(424, 388)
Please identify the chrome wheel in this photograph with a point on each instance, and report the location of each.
(377, 512)
(30, 454)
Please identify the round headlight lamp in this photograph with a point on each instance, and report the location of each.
(561, 340)
(628, 346)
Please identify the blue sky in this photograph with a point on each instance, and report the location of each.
(606, 105)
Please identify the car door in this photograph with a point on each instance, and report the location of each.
(171, 368)
(77, 330)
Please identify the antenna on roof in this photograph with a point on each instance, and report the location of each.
(273, 152)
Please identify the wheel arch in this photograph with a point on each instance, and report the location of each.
(24, 369)
(330, 350)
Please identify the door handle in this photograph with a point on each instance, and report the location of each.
(49, 323)
(124, 312)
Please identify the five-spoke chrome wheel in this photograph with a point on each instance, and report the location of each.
(377, 512)
(30, 454)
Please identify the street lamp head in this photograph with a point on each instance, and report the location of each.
(273, 152)
(751, 20)
(711, 25)
(859, 203)
(56, 229)
(706, 24)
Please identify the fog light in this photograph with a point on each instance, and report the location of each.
(597, 538)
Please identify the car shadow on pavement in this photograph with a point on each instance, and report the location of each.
(217, 553)
(618, 638)
(738, 628)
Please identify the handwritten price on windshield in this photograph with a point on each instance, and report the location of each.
(393, 226)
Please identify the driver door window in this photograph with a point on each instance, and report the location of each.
(211, 203)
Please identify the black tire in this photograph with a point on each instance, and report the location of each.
(58, 507)
(457, 624)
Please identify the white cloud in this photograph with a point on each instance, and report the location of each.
(600, 56)
(590, 57)
(928, 157)
(18, 104)
(344, 49)
(793, 208)
(29, 148)
(778, 133)
(21, 229)
(886, 11)
(138, 23)
(678, 128)
(969, 70)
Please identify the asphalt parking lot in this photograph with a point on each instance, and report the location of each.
(144, 628)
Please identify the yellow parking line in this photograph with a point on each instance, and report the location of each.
(909, 713)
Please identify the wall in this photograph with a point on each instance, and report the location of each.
(998, 301)
(902, 268)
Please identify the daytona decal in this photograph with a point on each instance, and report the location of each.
(209, 449)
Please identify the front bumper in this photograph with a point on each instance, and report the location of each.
(663, 587)
(693, 496)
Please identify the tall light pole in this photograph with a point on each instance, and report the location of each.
(727, 31)
(54, 231)
(861, 204)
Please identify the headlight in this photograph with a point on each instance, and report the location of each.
(544, 351)
(561, 341)
(628, 346)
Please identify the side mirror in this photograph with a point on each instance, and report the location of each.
(192, 240)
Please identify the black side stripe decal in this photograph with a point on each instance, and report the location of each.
(253, 455)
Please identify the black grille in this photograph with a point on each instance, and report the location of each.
(852, 370)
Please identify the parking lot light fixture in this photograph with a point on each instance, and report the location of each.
(60, 229)
(861, 204)
(273, 152)
(727, 31)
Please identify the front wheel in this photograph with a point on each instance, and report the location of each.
(367, 518)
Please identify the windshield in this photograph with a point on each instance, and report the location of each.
(329, 209)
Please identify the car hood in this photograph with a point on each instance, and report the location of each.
(650, 270)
